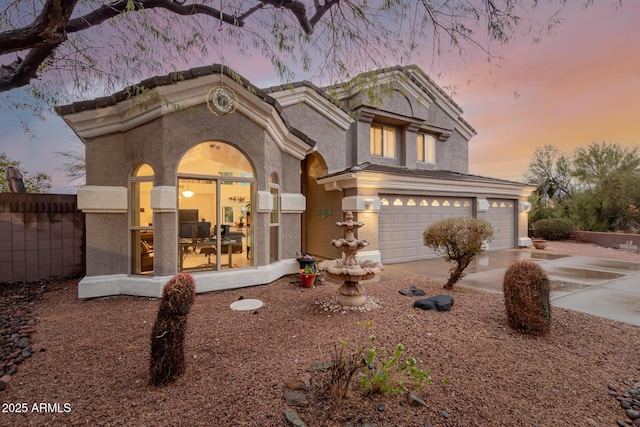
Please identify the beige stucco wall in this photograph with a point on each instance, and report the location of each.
(453, 154)
(334, 147)
(161, 143)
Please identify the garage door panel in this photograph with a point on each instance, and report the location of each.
(501, 215)
(401, 226)
(410, 218)
(397, 218)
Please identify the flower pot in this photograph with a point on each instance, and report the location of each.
(308, 279)
(306, 262)
(539, 243)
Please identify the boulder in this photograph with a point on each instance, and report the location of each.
(439, 302)
(412, 291)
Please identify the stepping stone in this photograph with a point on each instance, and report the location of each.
(246, 305)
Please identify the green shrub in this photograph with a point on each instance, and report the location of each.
(526, 298)
(459, 240)
(377, 373)
(167, 339)
(391, 374)
(553, 228)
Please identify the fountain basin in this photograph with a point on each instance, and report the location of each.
(336, 269)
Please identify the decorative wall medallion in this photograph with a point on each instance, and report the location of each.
(222, 101)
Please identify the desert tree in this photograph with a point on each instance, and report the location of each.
(550, 171)
(610, 178)
(58, 50)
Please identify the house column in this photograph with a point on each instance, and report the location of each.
(164, 201)
(105, 209)
(524, 241)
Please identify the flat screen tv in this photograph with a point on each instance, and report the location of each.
(186, 215)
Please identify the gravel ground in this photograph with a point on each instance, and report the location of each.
(90, 361)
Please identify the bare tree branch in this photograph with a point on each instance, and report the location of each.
(48, 28)
(321, 10)
(53, 24)
(109, 11)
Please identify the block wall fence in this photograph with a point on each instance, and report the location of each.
(42, 236)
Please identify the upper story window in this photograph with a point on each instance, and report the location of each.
(383, 141)
(426, 148)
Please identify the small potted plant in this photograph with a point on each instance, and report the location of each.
(305, 260)
(308, 276)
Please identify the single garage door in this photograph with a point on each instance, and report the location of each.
(502, 215)
(403, 219)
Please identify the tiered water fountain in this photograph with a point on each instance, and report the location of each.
(349, 269)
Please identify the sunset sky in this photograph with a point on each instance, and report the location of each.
(577, 86)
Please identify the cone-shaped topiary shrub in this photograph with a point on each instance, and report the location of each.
(526, 298)
(167, 338)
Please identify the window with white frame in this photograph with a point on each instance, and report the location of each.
(426, 148)
(383, 141)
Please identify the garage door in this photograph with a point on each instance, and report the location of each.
(501, 214)
(403, 219)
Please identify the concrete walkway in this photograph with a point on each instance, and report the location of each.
(601, 287)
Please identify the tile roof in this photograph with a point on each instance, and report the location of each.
(422, 173)
(174, 78)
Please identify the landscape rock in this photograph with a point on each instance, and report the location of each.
(319, 366)
(415, 400)
(295, 398)
(439, 302)
(293, 417)
(412, 291)
(632, 414)
(297, 384)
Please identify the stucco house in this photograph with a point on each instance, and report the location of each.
(203, 172)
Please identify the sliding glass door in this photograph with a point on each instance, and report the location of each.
(215, 190)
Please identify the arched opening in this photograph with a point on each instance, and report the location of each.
(216, 184)
(141, 219)
(323, 210)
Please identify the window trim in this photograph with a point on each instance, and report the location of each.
(428, 150)
(385, 144)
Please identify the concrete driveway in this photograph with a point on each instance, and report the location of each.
(601, 287)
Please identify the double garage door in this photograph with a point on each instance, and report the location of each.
(403, 219)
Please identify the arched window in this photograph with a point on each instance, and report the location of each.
(215, 189)
(141, 219)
